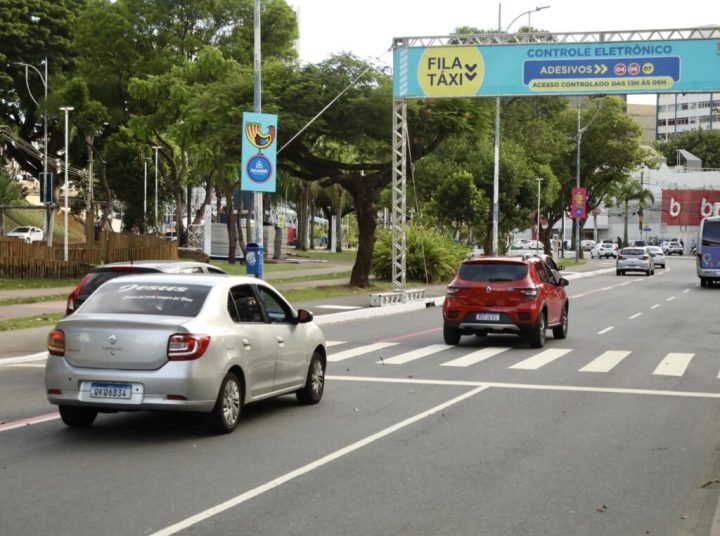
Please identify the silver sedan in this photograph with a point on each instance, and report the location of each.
(634, 259)
(657, 255)
(203, 343)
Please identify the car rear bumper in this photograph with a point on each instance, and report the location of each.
(176, 386)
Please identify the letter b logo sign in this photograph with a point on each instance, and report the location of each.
(674, 207)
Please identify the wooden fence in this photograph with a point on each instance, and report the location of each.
(18, 259)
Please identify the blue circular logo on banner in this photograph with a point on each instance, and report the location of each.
(259, 168)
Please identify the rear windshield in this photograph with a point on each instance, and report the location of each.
(98, 278)
(492, 271)
(632, 251)
(161, 299)
(21, 230)
(711, 233)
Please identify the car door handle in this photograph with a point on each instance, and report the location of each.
(246, 343)
(280, 341)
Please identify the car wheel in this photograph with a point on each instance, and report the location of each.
(315, 382)
(560, 332)
(618, 272)
(703, 282)
(225, 415)
(28, 241)
(536, 338)
(451, 335)
(647, 273)
(77, 416)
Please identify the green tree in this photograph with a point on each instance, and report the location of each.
(705, 144)
(10, 191)
(622, 193)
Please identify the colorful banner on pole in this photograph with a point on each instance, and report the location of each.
(259, 148)
(579, 203)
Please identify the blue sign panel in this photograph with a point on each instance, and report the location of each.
(554, 68)
(259, 148)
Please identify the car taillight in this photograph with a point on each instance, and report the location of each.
(56, 342)
(621, 257)
(70, 306)
(644, 258)
(528, 292)
(451, 291)
(187, 346)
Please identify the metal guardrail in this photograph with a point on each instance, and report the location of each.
(378, 299)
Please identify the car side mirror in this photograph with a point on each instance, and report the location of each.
(563, 282)
(304, 316)
(561, 267)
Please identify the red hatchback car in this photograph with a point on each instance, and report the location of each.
(520, 295)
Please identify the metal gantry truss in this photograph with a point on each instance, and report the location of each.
(399, 194)
(399, 141)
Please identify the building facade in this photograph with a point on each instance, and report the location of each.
(680, 112)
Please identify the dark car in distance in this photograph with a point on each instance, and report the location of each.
(519, 295)
(99, 275)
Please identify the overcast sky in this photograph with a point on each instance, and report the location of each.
(366, 27)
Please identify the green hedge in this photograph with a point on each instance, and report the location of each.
(431, 257)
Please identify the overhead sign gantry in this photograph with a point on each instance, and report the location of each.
(535, 64)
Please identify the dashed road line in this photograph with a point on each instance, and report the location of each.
(604, 331)
(633, 317)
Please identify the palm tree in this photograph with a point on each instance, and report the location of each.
(622, 193)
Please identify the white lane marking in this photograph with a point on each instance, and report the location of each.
(4, 427)
(475, 357)
(671, 298)
(686, 290)
(605, 361)
(24, 358)
(287, 477)
(330, 344)
(623, 284)
(339, 307)
(603, 331)
(633, 317)
(674, 364)
(360, 350)
(541, 359)
(655, 306)
(415, 354)
(538, 387)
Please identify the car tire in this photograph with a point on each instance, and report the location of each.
(28, 240)
(703, 282)
(619, 272)
(77, 416)
(561, 331)
(315, 382)
(451, 336)
(536, 337)
(225, 415)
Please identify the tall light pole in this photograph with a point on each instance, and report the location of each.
(44, 80)
(496, 169)
(257, 99)
(156, 148)
(537, 242)
(145, 194)
(67, 110)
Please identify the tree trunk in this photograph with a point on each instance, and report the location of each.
(238, 224)
(312, 225)
(365, 200)
(302, 233)
(230, 223)
(338, 232)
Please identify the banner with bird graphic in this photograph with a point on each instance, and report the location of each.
(259, 147)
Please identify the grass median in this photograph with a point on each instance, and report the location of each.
(30, 321)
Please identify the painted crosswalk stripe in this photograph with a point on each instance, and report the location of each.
(475, 357)
(605, 361)
(330, 344)
(674, 364)
(360, 350)
(541, 359)
(415, 354)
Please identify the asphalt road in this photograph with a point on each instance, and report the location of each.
(612, 431)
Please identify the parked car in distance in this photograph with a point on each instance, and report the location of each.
(587, 245)
(638, 243)
(518, 295)
(674, 247)
(204, 343)
(634, 259)
(657, 255)
(604, 250)
(106, 272)
(27, 233)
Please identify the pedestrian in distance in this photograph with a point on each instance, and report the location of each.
(619, 243)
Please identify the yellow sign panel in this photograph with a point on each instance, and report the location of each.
(451, 71)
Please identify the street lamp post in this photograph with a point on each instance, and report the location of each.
(156, 148)
(44, 79)
(496, 169)
(537, 242)
(145, 193)
(67, 110)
